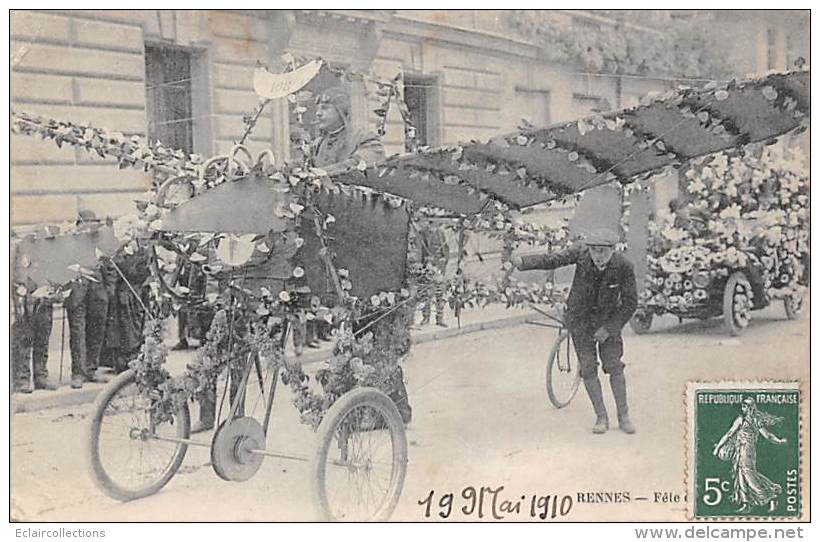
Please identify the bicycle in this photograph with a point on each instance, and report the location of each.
(563, 375)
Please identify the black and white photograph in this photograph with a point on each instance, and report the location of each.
(409, 265)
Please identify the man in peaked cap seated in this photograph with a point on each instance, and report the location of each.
(340, 145)
(601, 301)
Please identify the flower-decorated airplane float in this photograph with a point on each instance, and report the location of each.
(283, 243)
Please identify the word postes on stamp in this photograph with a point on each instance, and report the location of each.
(743, 445)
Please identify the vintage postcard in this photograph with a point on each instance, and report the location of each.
(409, 265)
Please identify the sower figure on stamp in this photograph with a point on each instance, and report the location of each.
(739, 445)
(601, 301)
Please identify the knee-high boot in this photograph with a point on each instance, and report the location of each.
(596, 396)
(618, 383)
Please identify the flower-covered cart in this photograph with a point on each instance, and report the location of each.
(284, 244)
(737, 242)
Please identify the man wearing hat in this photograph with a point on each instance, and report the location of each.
(601, 301)
(338, 147)
(339, 144)
(87, 310)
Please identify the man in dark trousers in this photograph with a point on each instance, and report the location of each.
(87, 311)
(30, 332)
(601, 301)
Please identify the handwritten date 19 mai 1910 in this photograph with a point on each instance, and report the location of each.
(490, 503)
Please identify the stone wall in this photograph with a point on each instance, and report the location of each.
(89, 67)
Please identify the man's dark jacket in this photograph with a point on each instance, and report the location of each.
(611, 305)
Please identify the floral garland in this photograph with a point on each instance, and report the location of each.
(370, 354)
(745, 208)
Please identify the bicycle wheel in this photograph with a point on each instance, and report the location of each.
(127, 457)
(563, 371)
(357, 473)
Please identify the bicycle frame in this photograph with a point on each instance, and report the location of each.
(253, 362)
(556, 322)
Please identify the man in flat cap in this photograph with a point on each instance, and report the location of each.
(601, 301)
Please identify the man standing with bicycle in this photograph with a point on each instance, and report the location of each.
(601, 301)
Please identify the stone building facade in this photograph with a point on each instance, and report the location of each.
(185, 77)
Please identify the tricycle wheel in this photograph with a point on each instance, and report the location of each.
(794, 306)
(737, 303)
(640, 322)
(127, 450)
(357, 473)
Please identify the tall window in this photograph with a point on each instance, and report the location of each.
(168, 96)
(420, 99)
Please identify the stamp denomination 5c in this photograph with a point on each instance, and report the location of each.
(743, 445)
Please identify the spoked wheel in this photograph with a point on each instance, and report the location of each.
(358, 471)
(737, 303)
(794, 306)
(128, 454)
(641, 322)
(563, 371)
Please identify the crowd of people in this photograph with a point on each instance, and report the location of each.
(104, 321)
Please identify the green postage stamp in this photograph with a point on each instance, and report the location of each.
(744, 454)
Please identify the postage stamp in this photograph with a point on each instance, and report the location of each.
(743, 446)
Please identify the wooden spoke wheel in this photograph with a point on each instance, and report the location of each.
(737, 303)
